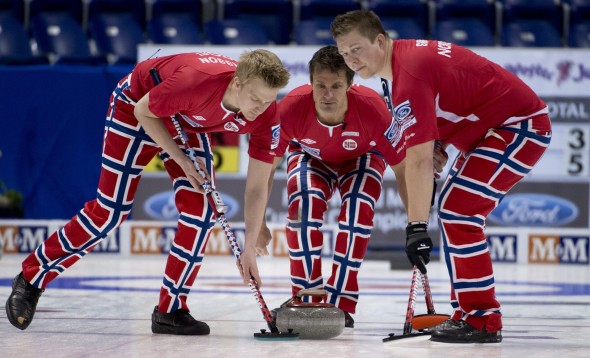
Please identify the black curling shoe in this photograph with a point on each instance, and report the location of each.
(179, 322)
(463, 332)
(448, 323)
(22, 302)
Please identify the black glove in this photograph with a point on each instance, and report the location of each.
(418, 244)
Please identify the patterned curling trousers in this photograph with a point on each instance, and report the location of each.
(127, 149)
(310, 186)
(473, 188)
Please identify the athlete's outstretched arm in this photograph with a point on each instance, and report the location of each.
(419, 184)
(418, 188)
(255, 199)
(400, 179)
(265, 236)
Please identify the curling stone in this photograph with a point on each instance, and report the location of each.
(312, 320)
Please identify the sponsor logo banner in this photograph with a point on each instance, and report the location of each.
(556, 249)
(532, 209)
(148, 239)
(161, 206)
(158, 239)
(528, 204)
(503, 248)
(20, 237)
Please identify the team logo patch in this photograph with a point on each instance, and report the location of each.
(200, 118)
(349, 144)
(231, 126)
(402, 110)
(393, 134)
(276, 136)
(403, 114)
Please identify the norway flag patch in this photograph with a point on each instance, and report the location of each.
(349, 144)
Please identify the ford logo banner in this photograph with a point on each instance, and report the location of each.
(161, 206)
(534, 210)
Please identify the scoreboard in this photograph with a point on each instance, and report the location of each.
(568, 155)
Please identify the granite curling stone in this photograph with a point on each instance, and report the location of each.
(312, 320)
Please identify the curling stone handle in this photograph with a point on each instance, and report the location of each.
(312, 292)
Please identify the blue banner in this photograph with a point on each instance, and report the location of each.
(51, 130)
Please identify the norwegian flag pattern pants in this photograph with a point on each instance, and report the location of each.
(127, 149)
(310, 186)
(474, 187)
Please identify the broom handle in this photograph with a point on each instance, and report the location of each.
(427, 294)
(411, 304)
